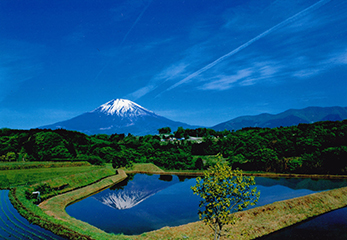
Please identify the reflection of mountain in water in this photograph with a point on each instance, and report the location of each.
(134, 192)
(125, 199)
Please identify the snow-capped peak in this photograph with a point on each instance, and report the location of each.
(123, 107)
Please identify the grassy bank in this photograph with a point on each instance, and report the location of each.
(143, 168)
(53, 187)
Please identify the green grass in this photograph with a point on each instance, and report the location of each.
(29, 165)
(13, 178)
(144, 167)
(72, 181)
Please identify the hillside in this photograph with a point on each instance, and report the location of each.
(290, 117)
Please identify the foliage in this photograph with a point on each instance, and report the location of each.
(165, 130)
(223, 191)
(307, 148)
(50, 145)
(180, 133)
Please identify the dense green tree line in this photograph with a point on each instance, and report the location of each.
(307, 148)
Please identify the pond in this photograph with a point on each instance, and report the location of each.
(14, 226)
(148, 202)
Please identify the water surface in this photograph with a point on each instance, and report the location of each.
(149, 202)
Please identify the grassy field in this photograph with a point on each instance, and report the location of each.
(32, 165)
(34, 174)
(144, 167)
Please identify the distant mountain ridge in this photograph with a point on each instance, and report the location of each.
(290, 117)
(118, 116)
(125, 116)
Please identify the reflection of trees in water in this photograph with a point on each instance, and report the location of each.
(166, 178)
(169, 178)
(122, 184)
(183, 178)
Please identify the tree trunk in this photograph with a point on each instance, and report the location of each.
(219, 232)
(216, 231)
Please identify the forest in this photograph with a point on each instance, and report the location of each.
(307, 148)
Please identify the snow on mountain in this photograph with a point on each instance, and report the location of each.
(123, 108)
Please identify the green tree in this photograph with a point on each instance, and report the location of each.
(199, 164)
(165, 130)
(48, 145)
(10, 157)
(223, 191)
(179, 133)
(264, 159)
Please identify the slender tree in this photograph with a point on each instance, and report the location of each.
(223, 191)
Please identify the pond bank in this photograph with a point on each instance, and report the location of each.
(252, 224)
(263, 220)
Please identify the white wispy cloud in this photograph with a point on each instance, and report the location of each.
(250, 42)
(254, 72)
(167, 74)
(337, 58)
(223, 82)
(232, 69)
(327, 62)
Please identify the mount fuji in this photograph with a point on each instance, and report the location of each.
(118, 116)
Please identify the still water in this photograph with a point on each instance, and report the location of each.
(147, 202)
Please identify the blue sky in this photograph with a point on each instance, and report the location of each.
(201, 62)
